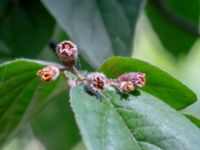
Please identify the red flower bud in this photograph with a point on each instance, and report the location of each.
(97, 81)
(67, 51)
(137, 78)
(48, 73)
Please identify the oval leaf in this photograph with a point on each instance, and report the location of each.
(21, 94)
(159, 83)
(141, 122)
(101, 28)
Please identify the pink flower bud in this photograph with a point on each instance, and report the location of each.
(48, 73)
(97, 81)
(137, 78)
(67, 51)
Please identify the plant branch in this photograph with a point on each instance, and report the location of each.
(177, 20)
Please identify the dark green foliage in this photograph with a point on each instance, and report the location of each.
(176, 23)
(21, 94)
(25, 27)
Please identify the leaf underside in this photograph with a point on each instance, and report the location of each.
(139, 123)
(101, 28)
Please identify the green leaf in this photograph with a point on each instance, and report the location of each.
(170, 25)
(159, 83)
(101, 28)
(193, 119)
(141, 122)
(25, 27)
(21, 94)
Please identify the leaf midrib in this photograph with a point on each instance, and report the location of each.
(131, 130)
(115, 108)
(104, 24)
(134, 138)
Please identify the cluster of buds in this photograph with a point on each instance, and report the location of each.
(68, 53)
(128, 82)
(49, 73)
(95, 82)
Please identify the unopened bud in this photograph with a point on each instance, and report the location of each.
(97, 81)
(68, 53)
(136, 78)
(49, 73)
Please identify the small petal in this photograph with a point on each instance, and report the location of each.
(48, 73)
